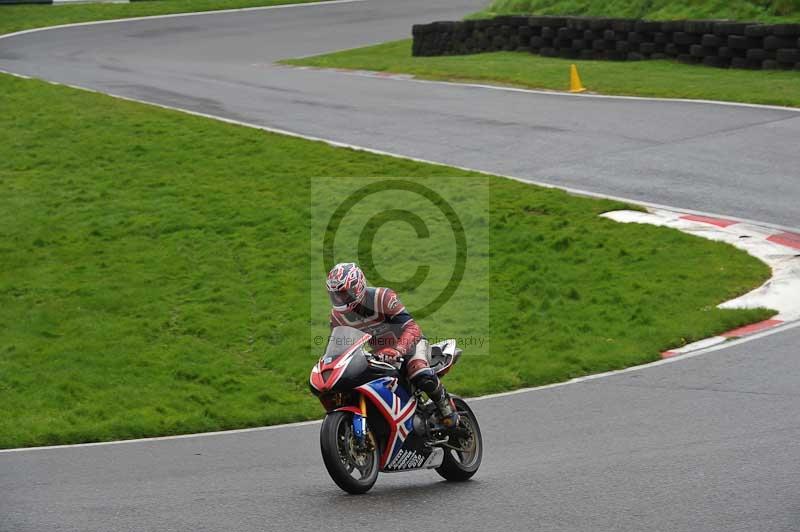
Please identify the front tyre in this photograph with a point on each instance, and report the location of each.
(459, 465)
(353, 467)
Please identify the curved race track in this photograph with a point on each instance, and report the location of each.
(707, 443)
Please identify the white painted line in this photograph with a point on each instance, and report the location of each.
(543, 184)
(577, 380)
(696, 346)
(164, 438)
(337, 144)
(381, 152)
(613, 97)
(334, 51)
(72, 2)
(176, 15)
(411, 77)
(486, 86)
(632, 369)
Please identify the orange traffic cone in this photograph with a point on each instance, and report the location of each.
(575, 84)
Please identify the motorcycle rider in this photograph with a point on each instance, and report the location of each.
(395, 334)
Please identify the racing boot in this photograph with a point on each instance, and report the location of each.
(448, 413)
(426, 380)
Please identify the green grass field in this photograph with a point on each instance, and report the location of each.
(747, 10)
(156, 270)
(24, 17)
(664, 79)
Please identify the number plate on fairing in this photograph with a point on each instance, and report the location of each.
(415, 455)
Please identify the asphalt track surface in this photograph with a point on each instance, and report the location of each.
(735, 161)
(706, 443)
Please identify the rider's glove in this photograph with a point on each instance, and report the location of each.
(387, 354)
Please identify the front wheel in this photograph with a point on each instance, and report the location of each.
(353, 466)
(461, 463)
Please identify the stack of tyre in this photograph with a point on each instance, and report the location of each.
(588, 38)
(741, 45)
(712, 43)
(767, 47)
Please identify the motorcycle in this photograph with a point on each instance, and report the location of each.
(377, 421)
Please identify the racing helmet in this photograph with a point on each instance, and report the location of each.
(346, 286)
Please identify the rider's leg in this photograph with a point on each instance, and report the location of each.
(419, 372)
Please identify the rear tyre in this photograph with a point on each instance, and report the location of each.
(458, 466)
(353, 469)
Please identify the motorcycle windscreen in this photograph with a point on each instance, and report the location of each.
(343, 340)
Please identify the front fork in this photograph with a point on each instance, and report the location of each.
(360, 421)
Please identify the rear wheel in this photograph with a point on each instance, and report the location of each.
(460, 464)
(353, 466)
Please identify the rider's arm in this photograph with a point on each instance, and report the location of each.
(397, 314)
(411, 335)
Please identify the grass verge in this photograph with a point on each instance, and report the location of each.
(663, 79)
(154, 273)
(776, 11)
(24, 17)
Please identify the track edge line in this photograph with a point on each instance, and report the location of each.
(337, 144)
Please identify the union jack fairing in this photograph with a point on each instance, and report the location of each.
(376, 421)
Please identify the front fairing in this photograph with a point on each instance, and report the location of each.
(345, 364)
(353, 373)
(342, 341)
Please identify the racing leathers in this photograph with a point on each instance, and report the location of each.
(395, 334)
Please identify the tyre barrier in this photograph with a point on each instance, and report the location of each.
(721, 44)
